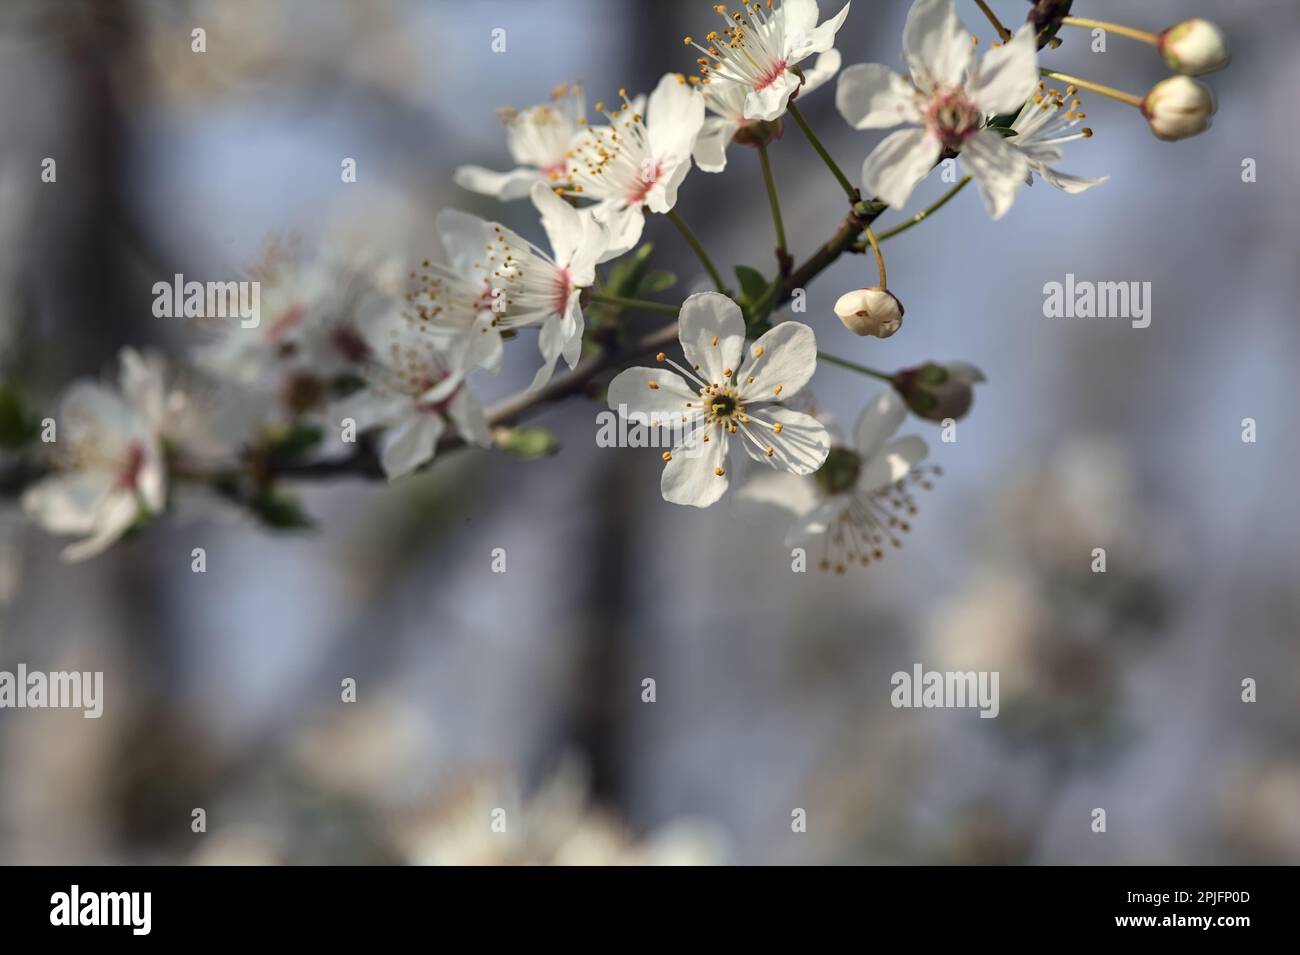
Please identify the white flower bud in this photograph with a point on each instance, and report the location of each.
(1194, 47)
(1178, 107)
(870, 311)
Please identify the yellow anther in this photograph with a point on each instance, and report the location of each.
(719, 471)
(667, 455)
(776, 428)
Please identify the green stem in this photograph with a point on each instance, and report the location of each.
(821, 151)
(854, 366)
(924, 213)
(698, 249)
(772, 199)
(635, 303)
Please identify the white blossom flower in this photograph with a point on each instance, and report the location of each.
(638, 161)
(717, 395)
(861, 497)
(544, 291)
(948, 100)
(758, 47)
(110, 468)
(1041, 129)
(538, 139)
(453, 302)
(308, 318)
(725, 101)
(414, 392)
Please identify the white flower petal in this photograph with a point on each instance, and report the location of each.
(821, 72)
(1067, 183)
(807, 40)
(464, 238)
(998, 167)
(671, 402)
(550, 342)
(770, 102)
(798, 16)
(791, 492)
(68, 503)
(674, 116)
(800, 446)
(898, 163)
(624, 224)
(872, 96)
(411, 443)
(892, 462)
(938, 48)
(113, 518)
(505, 186)
(710, 152)
(712, 332)
(562, 223)
(663, 194)
(878, 421)
(370, 409)
(467, 416)
(574, 325)
(1008, 75)
(816, 522)
(691, 475)
(787, 358)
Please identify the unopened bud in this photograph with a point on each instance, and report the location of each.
(759, 133)
(1178, 107)
(1194, 47)
(870, 311)
(936, 391)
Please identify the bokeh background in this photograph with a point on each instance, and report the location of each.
(523, 690)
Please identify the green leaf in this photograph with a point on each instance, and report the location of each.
(294, 441)
(18, 426)
(626, 274)
(660, 280)
(528, 443)
(280, 510)
(752, 283)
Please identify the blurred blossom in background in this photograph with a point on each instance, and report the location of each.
(523, 691)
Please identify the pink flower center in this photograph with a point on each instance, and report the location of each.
(770, 75)
(129, 474)
(563, 287)
(643, 184)
(953, 119)
(285, 323)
